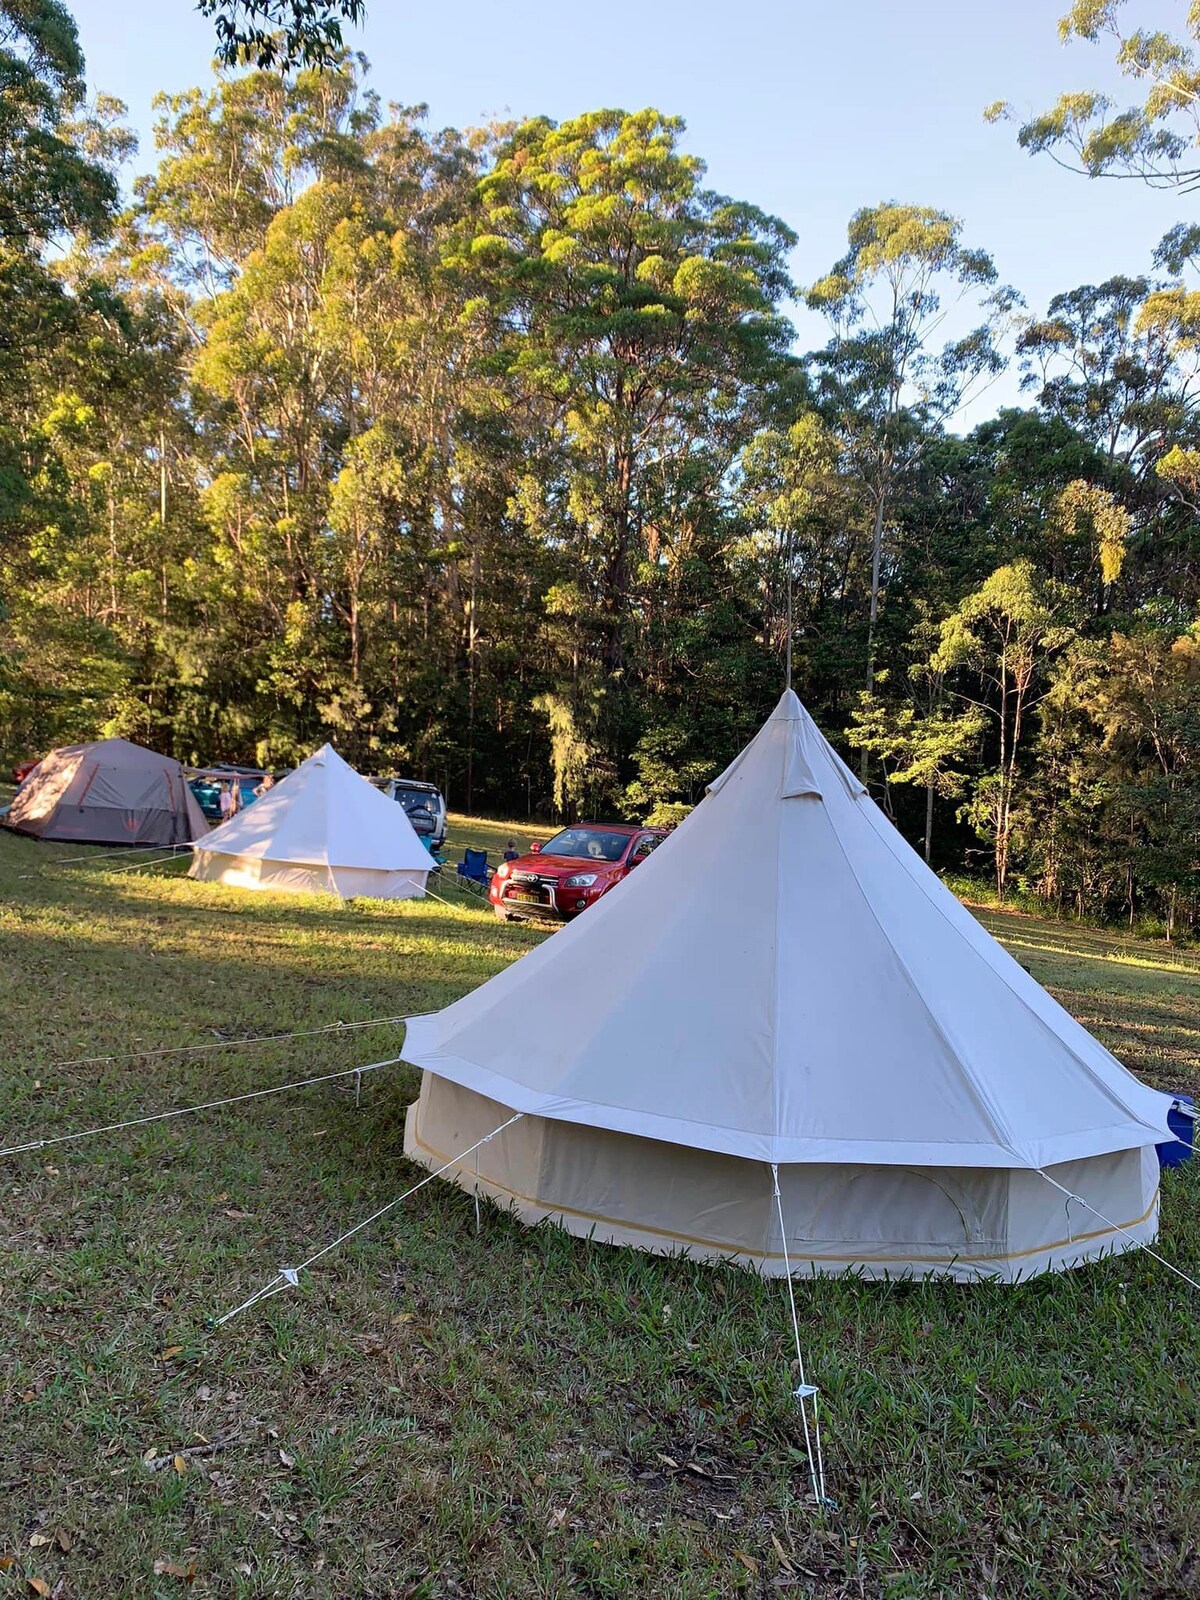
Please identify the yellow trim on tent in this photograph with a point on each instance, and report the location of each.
(776, 1255)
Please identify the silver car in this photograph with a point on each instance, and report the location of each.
(424, 805)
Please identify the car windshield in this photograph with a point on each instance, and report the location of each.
(415, 799)
(588, 844)
(419, 806)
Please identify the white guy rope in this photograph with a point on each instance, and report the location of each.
(221, 1044)
(444, 902)
(187, 1111)
(289, 1277)
(805, 1391)
(121, 850)
(1117, 1227)
(154, 861)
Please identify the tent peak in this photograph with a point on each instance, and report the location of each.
(789, 708)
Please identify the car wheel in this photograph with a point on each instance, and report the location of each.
(504, 916)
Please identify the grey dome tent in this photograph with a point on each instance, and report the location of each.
(111, 792)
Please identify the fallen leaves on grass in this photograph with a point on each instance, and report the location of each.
(169, 1569)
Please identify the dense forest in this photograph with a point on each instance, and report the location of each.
(489, 454)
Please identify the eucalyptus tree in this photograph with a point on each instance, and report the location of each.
(921, 737)
(1112, 809)
(810, 522)
(1143, 699)
(232, 157)
(885, 381)
(58, 185)
(283, 34)
(1110, 360)
(645, 322)
(53, 187)
(994, 653)
(1119, 363)
(51, 184)
(1156, 139)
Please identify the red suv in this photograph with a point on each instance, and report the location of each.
(570, 872)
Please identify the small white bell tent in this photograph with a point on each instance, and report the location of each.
(785, 983)
(323, 828)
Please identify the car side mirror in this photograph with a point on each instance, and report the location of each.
(534, 848)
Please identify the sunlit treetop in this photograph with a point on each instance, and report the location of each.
(55, 178)
(281, 33)
(1157, 140)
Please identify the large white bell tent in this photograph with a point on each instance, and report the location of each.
(784, 990)
(322, 828)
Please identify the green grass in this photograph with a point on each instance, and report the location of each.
(491, 836)
(513, 1413)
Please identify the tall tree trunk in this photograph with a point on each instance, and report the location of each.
(876, 567)
(472, 638)
(112, 552)
(928, 822)
(616, 581)
(162, 516)
(1129, 871)
(1002, 796)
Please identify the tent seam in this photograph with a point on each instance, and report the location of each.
(1016, 994)
(990, 1109)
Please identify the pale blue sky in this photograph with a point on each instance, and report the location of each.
(808, 110)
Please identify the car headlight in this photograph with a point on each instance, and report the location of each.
(503, 870)
(581, 880)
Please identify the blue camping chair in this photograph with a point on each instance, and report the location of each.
(474, 867)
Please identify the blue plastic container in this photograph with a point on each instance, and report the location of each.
(1178, 1150)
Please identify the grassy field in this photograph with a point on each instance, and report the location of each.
(512, 1413)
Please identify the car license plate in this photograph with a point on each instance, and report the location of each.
(525, 896)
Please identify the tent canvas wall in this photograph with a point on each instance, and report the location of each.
(822, 1004)
(111, 792)
(323, 828)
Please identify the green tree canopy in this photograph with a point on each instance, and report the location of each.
(283, 34)
(50, 184)
(1156, 140)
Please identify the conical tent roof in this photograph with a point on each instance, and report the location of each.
(785, 980)
(323, 815)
